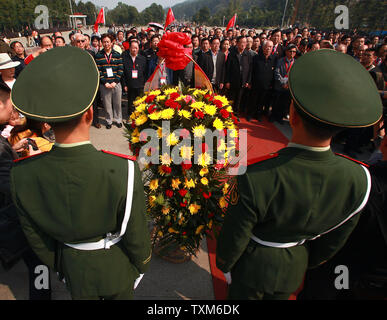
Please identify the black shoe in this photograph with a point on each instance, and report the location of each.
(119, 125)
(108, 126)
(97, 125)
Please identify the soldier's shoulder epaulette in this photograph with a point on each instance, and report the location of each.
(263, 158)
(354, 160)
(28, 157)
(133, 158)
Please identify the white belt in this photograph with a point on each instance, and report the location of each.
(112, 239)
(299, 243)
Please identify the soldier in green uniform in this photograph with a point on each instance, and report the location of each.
(82, 210)
(296, 208)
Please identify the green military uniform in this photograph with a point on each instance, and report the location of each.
(82, 210)
(297, 208)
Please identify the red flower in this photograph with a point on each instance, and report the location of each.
(210, 215)
(174, 95)
(150, 98)
(166, 169)
(219, 165)
(169, 193)
(218, 103)
(133, 125)
(186, 165)
(184, 233)
(209, 97)
(224, 113)
(207, 195)
(151, 109)
(199, 114)
(183, 204)
(183, 192)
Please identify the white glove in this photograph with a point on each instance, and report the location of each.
(138, 281)
(228, 277)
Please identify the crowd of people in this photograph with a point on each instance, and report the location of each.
(247, 66)
(251, 68)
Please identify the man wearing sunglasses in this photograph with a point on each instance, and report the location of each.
(282, 100)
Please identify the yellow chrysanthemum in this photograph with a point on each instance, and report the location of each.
(172, 139)
(154, 93)
(204, 159)
(135, 139)
(160, 234)
(199, 229)
(229, 109)
(204, 181)
(154, 184)
(185, 114)
(167, 114)
(165, 210)
(222, 146)
(234, 133)
(210, 109)
(198, 92)
(223, 99)
(222, 202)
(152, 200)
(175, 184)
(203, 172)
(166, 159)
(180, 98)
(209, 225)
(141, 119)
(141, 107)
(155, 115)
(160, 98)
(169, 91)
(199, 131)
(194, 208)
(139, 101)
(225, 188)
(188, 184)
(186, 152)
(197, 106)
(171, 230)
(218, 124)
(134, 115)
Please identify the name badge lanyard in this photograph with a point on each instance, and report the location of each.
(288, 68)
(110, 58)
(134, 71)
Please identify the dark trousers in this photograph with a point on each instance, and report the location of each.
(281, 105)
(32, 261)
(260, 102)
(96, 104)
(133, 93)
(236, 95)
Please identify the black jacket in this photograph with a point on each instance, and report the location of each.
(263, 71)
(12, 240)
(140, 66)
(206, 63)
(238, 74)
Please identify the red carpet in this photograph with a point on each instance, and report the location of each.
(262, 138)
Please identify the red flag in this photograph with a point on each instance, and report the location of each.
(170, 18)
(100, 19)
(231, 23)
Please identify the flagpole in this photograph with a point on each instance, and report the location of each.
(283, 17)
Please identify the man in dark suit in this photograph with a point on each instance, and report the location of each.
(278, 49)
(262, 81)
(213, 64)
(135, 73)
(151, 53)
(238, 73)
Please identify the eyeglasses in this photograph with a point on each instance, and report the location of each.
(293, 51)
(78, 41)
